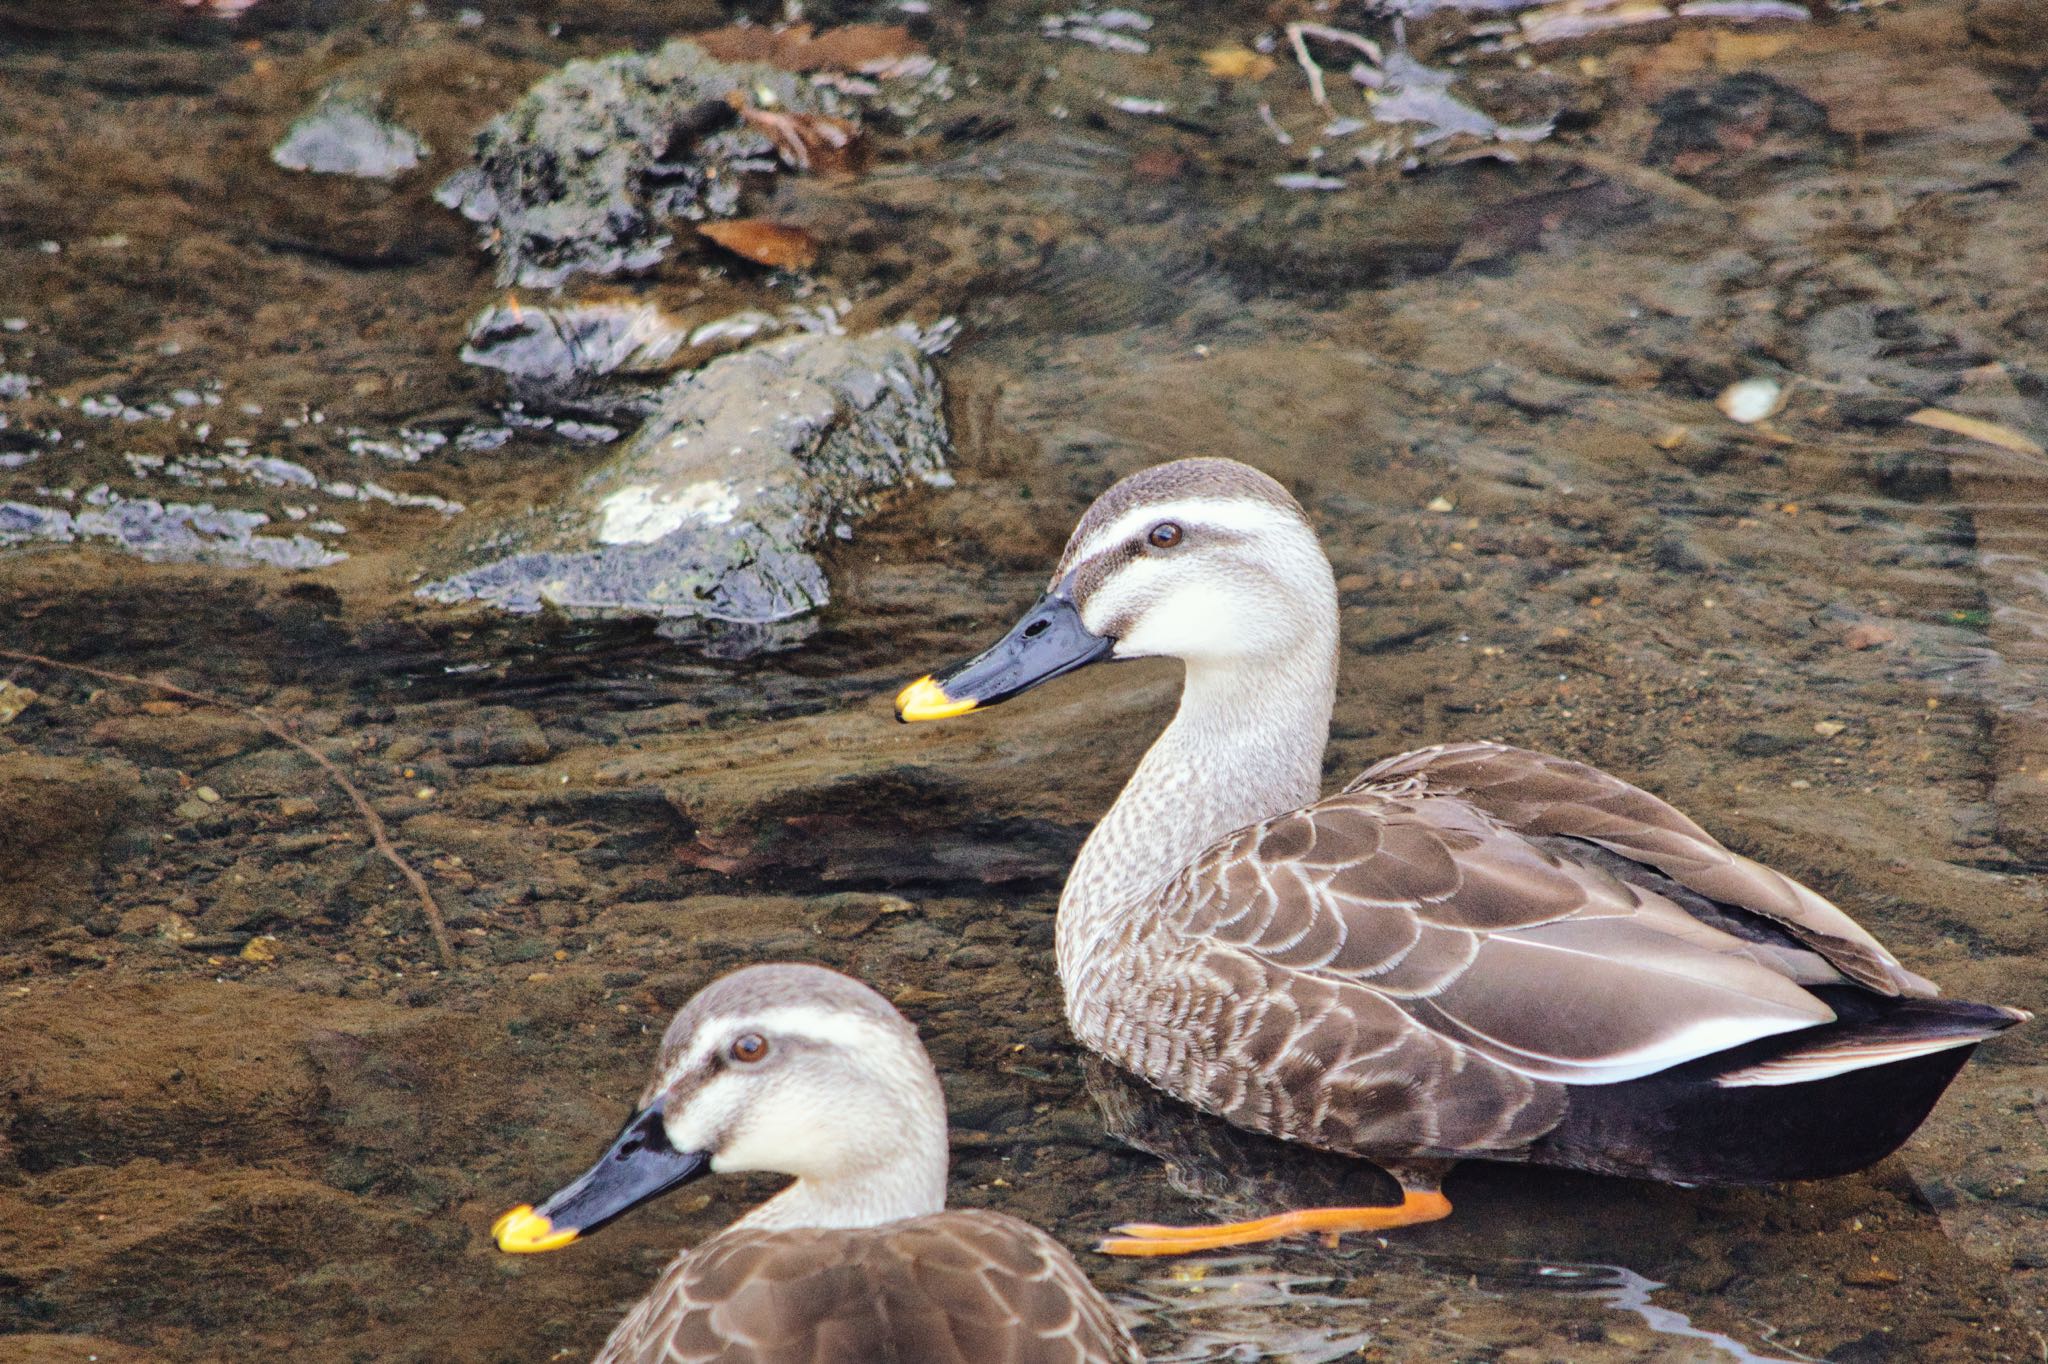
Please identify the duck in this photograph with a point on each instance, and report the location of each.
(1472, 951)
(802, 1071)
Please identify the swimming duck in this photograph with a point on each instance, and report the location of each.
(799, 1070)
(1472, 950)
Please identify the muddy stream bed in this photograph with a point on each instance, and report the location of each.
(246, 1109)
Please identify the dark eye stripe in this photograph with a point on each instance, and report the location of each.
(1092, 572)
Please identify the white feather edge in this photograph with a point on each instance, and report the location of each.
(1803, 1067)
(1771, 1006)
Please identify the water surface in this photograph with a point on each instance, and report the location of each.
(1493, 386)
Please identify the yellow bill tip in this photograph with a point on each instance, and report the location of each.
(523, 1231)
(925, 699)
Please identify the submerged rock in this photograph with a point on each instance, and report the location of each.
(56, 815)
(345, 133)
(713, 508)
(556, 355)
(173, 532)
(582, 173)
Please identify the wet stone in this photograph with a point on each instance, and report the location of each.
(164, 532)
(553, 356)
(188, 739)
(715, 508)
(1757, 743)
(849, 916)
(56, 816)
(497, 735)
(345, 133)
(584, 172)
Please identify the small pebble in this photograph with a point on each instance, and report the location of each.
(1441, 504)
(208, 794)
(1828, 729)
(1867, 636)
(14, 700)
(1751, 400)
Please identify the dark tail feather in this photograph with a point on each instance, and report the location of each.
(1807, 1105)
(1906, 1029)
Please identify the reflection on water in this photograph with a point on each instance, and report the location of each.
(283, 1125)
(1627, 1291)
(1245, 1308)
(1240, 1308)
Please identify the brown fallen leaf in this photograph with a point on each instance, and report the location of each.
(1976, 428)
(800, 48)
(1233, 63)
(773, 244)
(808, 142)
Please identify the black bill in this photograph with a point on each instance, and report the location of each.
(1049, 642)
(640, 1165)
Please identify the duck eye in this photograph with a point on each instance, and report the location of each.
(1165, 535)
(749, 1047)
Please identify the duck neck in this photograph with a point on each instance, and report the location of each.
(893, 1171)
(846, 1203)
(1246, 744)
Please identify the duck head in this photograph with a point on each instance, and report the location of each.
(1204, 560)
(791, 1069)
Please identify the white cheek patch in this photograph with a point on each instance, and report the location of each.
(697, 1125)
(772, 1141)
(1194, 620)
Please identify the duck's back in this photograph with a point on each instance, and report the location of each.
(959, 1287)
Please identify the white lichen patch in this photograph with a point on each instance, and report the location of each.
(635, 515)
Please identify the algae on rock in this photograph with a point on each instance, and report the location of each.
(713, 509)
(582, 174)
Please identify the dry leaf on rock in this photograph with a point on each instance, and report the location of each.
(808, 142)
(853, 47)
(773, 244)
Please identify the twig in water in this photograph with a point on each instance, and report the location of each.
(379, 836)
(1299, 33)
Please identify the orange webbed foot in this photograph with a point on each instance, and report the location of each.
(1145, 1238)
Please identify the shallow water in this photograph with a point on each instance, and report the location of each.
(246, 1110)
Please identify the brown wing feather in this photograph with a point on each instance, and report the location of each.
(1539, 794)
(954, 1288)
(1549, 967)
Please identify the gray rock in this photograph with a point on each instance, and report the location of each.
(712, 510)
(554, 356)
(581, 173)
(174, 532)
(345, 133)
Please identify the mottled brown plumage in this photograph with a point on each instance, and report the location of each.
(954, 1288)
